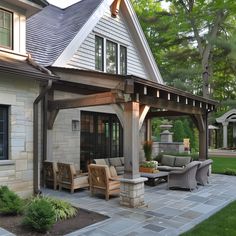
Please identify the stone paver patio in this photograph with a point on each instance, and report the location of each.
(168, 212)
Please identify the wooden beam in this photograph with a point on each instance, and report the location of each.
(52, 117)
(165, 114)
(87, 101)
(143, 110)
(169, 105)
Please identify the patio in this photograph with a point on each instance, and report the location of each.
(168, 212)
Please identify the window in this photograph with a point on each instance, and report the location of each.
(5, 29)
(123, 60)
(111, 57)
(111, 60)
(3, 133)
(99, 53)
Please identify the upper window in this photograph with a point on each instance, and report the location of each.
(5, 29)
(111, 54)
(99, 53)
(111, 58)
(3, 133)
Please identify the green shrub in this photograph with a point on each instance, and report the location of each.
(63, 210)
(10, 202)
(39, 215)
(230, 171)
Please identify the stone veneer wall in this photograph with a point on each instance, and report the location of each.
(17, 172)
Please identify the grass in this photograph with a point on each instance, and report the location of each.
(220, 164)
(221, 223)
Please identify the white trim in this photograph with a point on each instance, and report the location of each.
(87, 28)
(143, 39)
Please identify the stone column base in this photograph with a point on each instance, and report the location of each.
(132, 192)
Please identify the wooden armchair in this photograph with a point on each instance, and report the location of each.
(69, 179)
(50, 171)
(100, 180)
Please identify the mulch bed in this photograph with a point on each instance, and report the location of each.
(81, 220)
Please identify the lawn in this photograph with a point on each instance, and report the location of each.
(222, 223)
(220, 164)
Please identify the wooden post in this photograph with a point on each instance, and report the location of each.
(131, 140)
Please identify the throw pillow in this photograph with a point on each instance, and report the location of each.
(113, 171)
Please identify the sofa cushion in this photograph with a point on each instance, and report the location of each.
(120, 170)
(182, 161)
(115, 161)
(122, 159)
(168, 160)
(168, 168)
(100, 161)
(81, 180)
(113, 172)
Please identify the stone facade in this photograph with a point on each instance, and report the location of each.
(17, 172)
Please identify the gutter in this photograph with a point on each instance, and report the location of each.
(35, 137)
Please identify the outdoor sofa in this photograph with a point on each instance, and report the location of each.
(170, 163)
(117, 162)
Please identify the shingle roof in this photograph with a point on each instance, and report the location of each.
(19, 66)
(51, 30)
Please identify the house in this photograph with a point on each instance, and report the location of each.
(105, 89)
(19, 87)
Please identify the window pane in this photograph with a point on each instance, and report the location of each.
(123, 60)
(5, 29)
(111, 53)
(98, 53)
(3, 133)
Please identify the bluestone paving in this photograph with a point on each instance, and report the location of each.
(167, 212)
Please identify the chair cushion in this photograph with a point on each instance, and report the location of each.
(113, 172)
(100, 161)
(73, 170)
(81, 180)
(115, 161)
(182, 161)
(168, 160)
(114, 185)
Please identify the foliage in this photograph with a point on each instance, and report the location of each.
(178, 130)
(221, 223)
(229, 171)
(221, 164)
(39, 215)
(149, 164)
(63, 210)
(147, 147)
(190, 38)
(10, 202)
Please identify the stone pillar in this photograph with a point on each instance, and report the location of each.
(203, 138)
(225, 134)
(132, 185)
(234, 133)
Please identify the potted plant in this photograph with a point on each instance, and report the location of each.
(148, 166)
(147, 148)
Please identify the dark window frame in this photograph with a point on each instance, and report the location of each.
(97, 67)
(11, 30)
(4, 132)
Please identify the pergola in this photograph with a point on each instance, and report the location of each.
(225, 119)
(133, 99)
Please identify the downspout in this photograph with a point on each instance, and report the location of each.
(35, 137)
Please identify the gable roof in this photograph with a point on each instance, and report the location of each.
(50, 31)
(57, 41)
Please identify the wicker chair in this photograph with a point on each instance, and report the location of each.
(203, 172)
(100, 181)
(185, 178)
(69, 179)
(50, 172)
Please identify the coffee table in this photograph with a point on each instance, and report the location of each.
(155, 178)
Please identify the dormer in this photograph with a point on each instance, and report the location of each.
(13, 15)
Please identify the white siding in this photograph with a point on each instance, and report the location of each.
(116, 30)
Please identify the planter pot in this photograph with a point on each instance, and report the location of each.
(146, 169)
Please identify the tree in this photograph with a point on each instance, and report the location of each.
(188, 42)
(178, 130)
